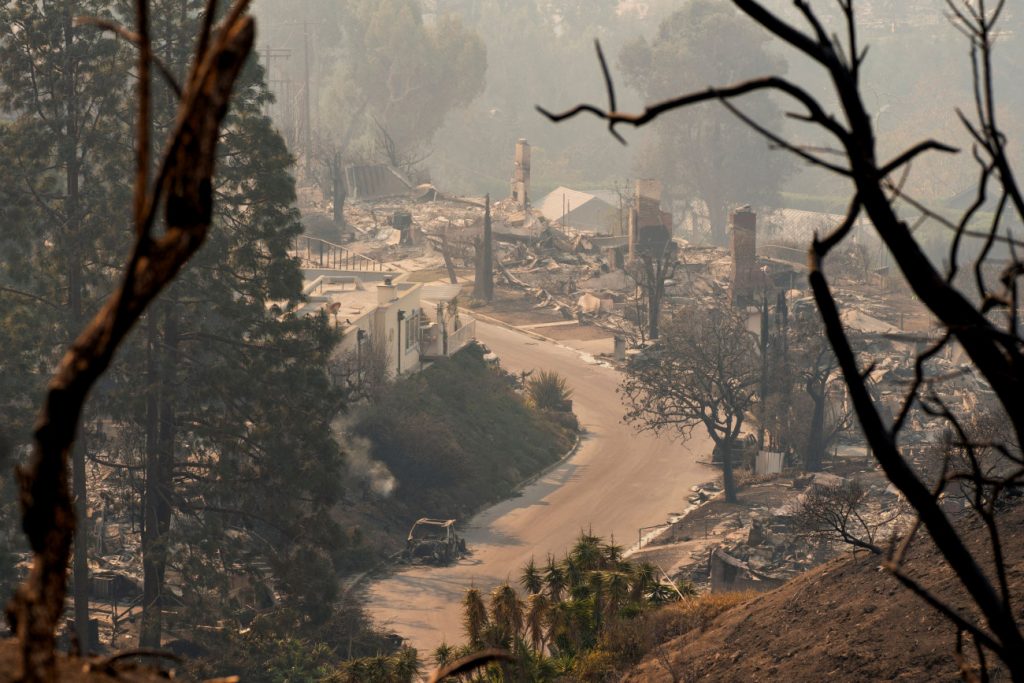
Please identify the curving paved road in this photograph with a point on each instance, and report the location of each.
(617, 482)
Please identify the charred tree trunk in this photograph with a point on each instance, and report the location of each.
(160, 432)
(816, 437)
(446, 253)
(483, 288)
(728, 479)
(656, 269)
(654, 291)
(717, 220)
(653, 315)
(72, 211)
(80, 493)
(150, 594)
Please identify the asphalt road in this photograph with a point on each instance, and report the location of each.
(617, 482)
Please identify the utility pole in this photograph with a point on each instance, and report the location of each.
(269, 55)
(765, 343)
(360, 336)
(483, 287)
(307, 108)
(302, 100)
(444, 328)
(488, 252)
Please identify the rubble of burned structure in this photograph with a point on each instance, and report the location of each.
(572, 260)
(781, 526)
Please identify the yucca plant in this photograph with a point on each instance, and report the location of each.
(548, 391)
(507, 612)
(474, 618)
(538, 608)
(618, 592)
(443, 654)
(554, 579)
(586, 554)
(531, 579)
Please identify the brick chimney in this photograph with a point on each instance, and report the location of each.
(646, 228)
(387, 292)
(744, 280)
(521, 173)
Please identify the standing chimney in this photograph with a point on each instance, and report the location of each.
(521, 173)
(646, 226)
(744, 257)
(387, 292)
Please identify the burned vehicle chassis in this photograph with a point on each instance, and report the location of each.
(433, 541)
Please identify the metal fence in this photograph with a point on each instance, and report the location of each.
(317, 253)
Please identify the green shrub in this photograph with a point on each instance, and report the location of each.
(457, 436)
(548, 391)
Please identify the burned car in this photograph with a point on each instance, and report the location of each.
(433, 541)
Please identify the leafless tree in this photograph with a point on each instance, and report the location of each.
(815, 369)
(182, 186)
(405, 160)
(984, 323)
(362, 372)
(703, 373)
(650, 270)
(839, 512)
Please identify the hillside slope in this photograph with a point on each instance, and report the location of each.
(847, 620)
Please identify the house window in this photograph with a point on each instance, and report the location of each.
(412, 329)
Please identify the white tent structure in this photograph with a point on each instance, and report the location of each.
(596, 212)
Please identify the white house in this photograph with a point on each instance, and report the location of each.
(391, 316)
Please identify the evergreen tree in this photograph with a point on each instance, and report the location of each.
(63, 156)
(241, 467)
(221, 399)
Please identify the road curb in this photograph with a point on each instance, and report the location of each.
(632, 550)
(507, 326)
(553, 466)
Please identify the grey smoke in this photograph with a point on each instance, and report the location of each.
(360, 463)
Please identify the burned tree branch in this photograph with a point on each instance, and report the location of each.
(881, 440)
(782, 143)
(814, 111)
(947, 611)
(913, 152)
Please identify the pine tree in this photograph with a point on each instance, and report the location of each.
(62, 153)
(241, 467)
(221, 397)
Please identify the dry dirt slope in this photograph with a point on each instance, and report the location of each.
(847, 620)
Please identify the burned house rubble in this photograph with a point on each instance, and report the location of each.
(568, 260)
(766, 539)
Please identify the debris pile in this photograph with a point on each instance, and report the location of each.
(762, 541)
